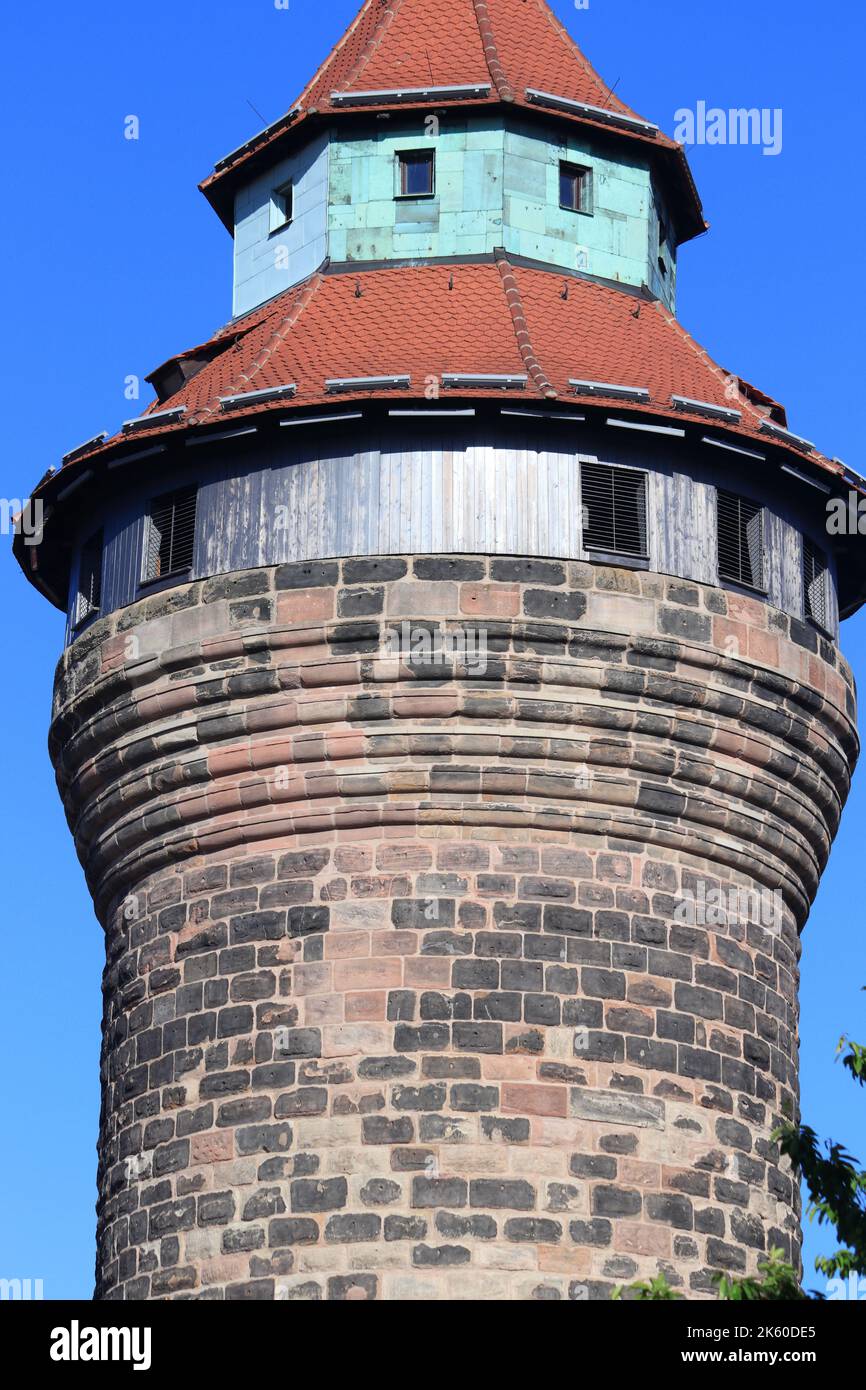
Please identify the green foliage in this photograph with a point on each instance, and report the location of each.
(836, 1183)
(658, 1290)
(778, 1283)
(837, 1188)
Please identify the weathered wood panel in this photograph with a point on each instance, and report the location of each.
(465, 489)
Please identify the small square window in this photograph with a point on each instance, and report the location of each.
(88, 595)
(417, 174)
(282, 206)
(575, 187)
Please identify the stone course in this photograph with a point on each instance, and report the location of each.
(400, 1000)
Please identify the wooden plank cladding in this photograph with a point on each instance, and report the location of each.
(457, 487)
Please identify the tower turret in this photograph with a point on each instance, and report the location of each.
(451, 720)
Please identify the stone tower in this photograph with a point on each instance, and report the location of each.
(451, 722)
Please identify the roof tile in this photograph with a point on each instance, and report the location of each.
(495, 318)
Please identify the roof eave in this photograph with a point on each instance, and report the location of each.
(159, 440)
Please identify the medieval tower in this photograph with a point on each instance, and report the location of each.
(451, 722)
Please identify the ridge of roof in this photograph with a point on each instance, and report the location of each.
(390, 9)
(244, 379)
(513, 299)
(356, 24)
(576, 52)
(498, 75)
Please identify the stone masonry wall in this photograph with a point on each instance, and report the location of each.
(401, 1000)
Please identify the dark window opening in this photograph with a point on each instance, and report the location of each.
(614, 509)
(663, 248)
(740, 540)
(815, 583)
(417, 173)
(575, 187)
(282, 206)
(170, 534)
(88, 595)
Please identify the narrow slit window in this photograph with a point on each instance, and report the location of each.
(614, 509)
(740, 540)
(88, 596)
(170, 534)
(575, 187)
(417, 173)
(815, 583)
(663, 248)
(282, 206)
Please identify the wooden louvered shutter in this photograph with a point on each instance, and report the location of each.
(740, 540)
(614, 509)
(171, 533)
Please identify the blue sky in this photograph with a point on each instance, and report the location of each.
(113, 261)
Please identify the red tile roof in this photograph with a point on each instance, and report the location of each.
(435, 43)
(427, 321)
(508, 45)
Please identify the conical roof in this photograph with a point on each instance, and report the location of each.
(405, 54)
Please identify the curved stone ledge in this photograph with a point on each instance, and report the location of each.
(172, 786)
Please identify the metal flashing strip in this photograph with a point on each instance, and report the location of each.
(84, 448)
(449, 92)
(267, 393)
(786, 436)
(159, 417)
(481, 381)
(804, 478)
(717, 412)
(734, 448)
(649, 429)
(430, 414)
(139, 454)
(543, 415)
(323, 419)
(851, 477)
(592, 113)
(610, 389)
(367, 383)
(223, 434)
(75, 485)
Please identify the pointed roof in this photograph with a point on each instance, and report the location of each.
(406, 54)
